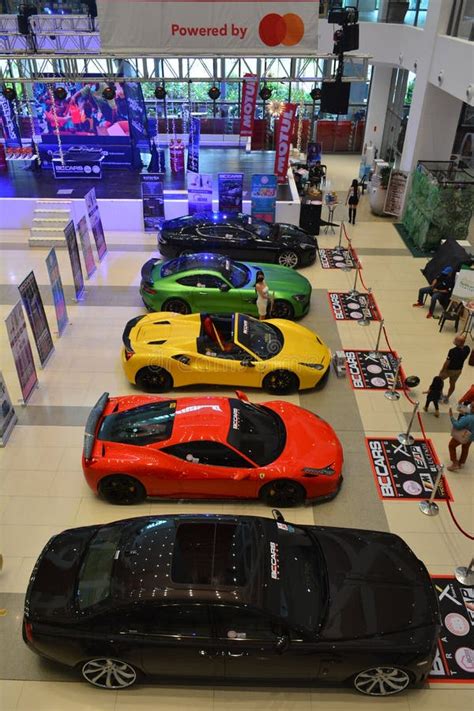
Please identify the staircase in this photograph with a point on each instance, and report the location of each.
(50, 217)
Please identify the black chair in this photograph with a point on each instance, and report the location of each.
(452, 312)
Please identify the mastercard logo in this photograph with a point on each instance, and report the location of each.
(281, 29)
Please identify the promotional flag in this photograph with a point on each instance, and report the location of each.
(58, 291)
(8, 120)
(95, 221)
(199, 193)
(21, 350)
(86, 246)
(193, 147)
(264, 190)
(77, 275)
(153, 204)
(249, 102)
(230, 187)
(34, 308)
(284, 133)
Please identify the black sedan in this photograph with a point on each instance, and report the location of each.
(211, 597)
(239, 236)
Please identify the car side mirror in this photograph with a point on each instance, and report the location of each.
(224, 287)
(282, 643)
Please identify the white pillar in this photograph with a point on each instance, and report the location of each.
(378, 100)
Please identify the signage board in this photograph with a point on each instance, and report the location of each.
(8, 418)
(34, 308)
(230, 192)
(284, 134)
(153, 204)
(95, 222)
(77, 275)
(86, 246)
(199, 193)
(21, 350)
(58, 291)
(263, 193)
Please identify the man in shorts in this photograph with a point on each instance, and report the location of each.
(453, 365)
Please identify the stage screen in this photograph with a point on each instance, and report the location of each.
(84, 111)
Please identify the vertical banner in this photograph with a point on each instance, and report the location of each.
(230, 187)
(96, 223)
(285, 128)
(8, 120)
(249, 102)
(193, 147)
(153, 204)
(395, 193)
(21, 350)
(136, 109)
(86, 246)
(264, 190)
(199, 193)
(77, 275)
(8, 418)
(34, 308)
(313, 153)
(58, 291)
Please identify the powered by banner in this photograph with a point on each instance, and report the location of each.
(96, 223)
(76, 267)
(21, 350)
(285, 127)
(249, 102)
(58, 291)
(138, 27)
(34, 308)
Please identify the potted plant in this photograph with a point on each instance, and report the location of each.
(396, 11)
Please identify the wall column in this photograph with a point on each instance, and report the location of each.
(378, 101)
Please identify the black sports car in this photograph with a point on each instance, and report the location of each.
(239, 236)
(233, 597)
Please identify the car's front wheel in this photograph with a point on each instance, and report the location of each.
(280, 382)
(122, 490)
(381, 681)
(282, 309)
(282, 492)
(289, 258)
(108, 673)
(177, 306)
(154, 379)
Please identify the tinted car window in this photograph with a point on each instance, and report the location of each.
(256, 432)
(179, 620)
(264, 340)
(210, 453)
(141, 426)
(96, 570)
(238, 623)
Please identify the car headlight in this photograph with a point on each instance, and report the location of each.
(325, 471)
(316, 366)
(300, 297)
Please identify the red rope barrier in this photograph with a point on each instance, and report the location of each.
(458, 526)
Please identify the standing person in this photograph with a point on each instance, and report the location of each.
(434, 394)
(461, 434)
(352, 198)
(440, 290)
(453, 365)
(262, 296)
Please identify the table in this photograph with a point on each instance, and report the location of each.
(331, 206)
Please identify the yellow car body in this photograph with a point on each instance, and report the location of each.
(164, 349)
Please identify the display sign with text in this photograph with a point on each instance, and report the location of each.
(21, 350)
(249, 102)
(337, 258)
(153, 202)
(199, 193)
(77, 275)
(346, 307)
(58, 291)
(8, 418)
(369, 372)
(34, 308)
(95, 221)
(284, 134)
(193, 146)
(230, 192)
(86, 246)
(264, 191)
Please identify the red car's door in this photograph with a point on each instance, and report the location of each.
(211, 469)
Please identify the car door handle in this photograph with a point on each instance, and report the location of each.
(240, 654)
(203, 293)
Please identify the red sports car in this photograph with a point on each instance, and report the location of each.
(209, 447)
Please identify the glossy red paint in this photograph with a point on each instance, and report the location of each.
(311, 443)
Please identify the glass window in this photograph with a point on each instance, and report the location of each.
(256, 432)
(96, 570)
(209, 453)
(140, 426)
(180, 621)
(241, 623)
(263, 339)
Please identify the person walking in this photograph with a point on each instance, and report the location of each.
(434, 394)
(453, 365)
(462, 435)
(263, 296)
(440, 290)
(353, 196)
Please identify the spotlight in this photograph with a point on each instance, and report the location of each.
(214, 93)
(160, 93)
(315, 94)
(265, 93)
(60, 93)
(109, 93)
(9, 93)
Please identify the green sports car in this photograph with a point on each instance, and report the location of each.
(215, 283)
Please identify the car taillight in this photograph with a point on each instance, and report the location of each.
(29, 632)
(148, 289)
(128, 354)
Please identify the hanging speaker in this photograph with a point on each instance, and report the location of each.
(60, 93)
(265, 93)
(109, 93)
(315, 94)
(335, 97)
(9, 93)
(214, 93)
(160, 93)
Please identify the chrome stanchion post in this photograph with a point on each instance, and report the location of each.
(465, 576)
(376, 353)
(405, 437)
(353, 291)
(364, 321)
(392, 393)
(430, 507)
(338, 248)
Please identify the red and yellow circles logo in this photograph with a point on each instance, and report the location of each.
(281, 29)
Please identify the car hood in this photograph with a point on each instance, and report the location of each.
(282, 279)
(301, 344)
(377, 586)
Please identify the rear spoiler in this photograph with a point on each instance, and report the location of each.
(126, 334)
(147, 270)
(91, 424)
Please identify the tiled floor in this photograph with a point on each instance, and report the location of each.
(42, 490)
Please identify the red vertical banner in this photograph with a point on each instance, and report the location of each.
(249, 102)
(284, 132)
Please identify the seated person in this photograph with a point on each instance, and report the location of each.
(316, 173)
(440, 290)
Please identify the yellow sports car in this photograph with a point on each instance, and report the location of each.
(164, 349)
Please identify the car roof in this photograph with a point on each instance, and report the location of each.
(207, 419)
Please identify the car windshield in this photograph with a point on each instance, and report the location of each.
(256, 431)
(303, 576)
(262, 229)
(263, 339)
(96, 571)
(235, 272)
(140, 426)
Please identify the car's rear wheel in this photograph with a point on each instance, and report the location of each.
(154, 380)
(122, 490)
(178, 306)
(289, 258)
(381, 681)
(108, 673)
(280, 382)
(282, 309)
(283, 492)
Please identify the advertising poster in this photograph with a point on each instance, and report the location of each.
(352, 308)
(230, 187)
(153, 202)
(77, 275)
(313, 153)
(86, 246)
(95, 221)
(21, 350)
(249, 102)
(369, 373)
(58, 291)
(199, 193)
(405, 471)
(454, 660)
(231, 28)
(8, 120)
(284, 133)
(34, 308)
(8, 418)
(193, 147)
(396, 189)
(264, 190)
(136, 107)
(337, 258)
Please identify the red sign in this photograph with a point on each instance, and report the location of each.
(286, 124)
(249, 101)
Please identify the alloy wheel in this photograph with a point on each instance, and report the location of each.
(282, 309)
(283, 493)
(381, 681)
(154, 380)
(288, 258)
(109, 673)
(177, 306)
(281, 382)
(122, 490)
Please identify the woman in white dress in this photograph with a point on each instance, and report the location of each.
(263, 295)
